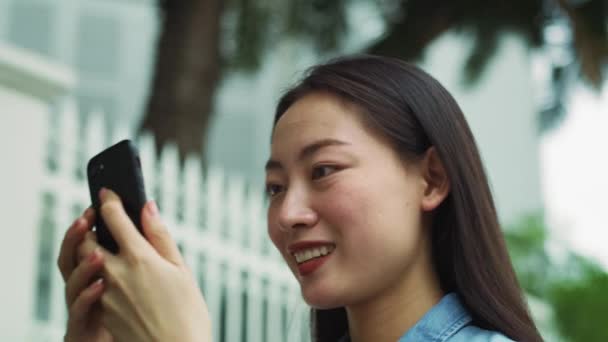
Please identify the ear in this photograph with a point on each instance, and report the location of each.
(437, 183)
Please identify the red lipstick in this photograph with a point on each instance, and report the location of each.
(312, 265)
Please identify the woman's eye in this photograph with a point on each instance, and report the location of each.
(322, 171)
(273, 189)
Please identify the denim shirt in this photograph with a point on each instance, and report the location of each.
(447, 321)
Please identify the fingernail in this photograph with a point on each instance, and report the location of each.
(102, 192)
(89, 211)
(97, 284)
(77, 225)
(76, 222)
(153, 209)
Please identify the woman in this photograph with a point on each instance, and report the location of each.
(378, 203)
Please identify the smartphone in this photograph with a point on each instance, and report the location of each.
(117, 168)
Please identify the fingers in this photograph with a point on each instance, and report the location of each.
(82, 275)
(119, 224)
(87, 246)
(157, 234)
(83, 304)
(73, 236)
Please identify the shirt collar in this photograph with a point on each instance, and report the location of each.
(440, 323)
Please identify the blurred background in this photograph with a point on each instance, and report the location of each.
(194, 83)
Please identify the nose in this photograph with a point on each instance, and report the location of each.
(295, 210)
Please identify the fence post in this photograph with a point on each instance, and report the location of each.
(213, 277)
(191, 206)
(147, 154)
(255, 317)
(169, 182)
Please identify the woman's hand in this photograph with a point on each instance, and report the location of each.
(81, 291)
(150, 294)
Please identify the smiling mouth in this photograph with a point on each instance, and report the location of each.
(308, 254)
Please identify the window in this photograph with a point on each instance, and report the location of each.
(98, 46)
(31, 26)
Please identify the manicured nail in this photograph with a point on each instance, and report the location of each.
(77, 226)
(153, 209)
(102, 192)
(88, 212)
(97, 284)
(77, 222)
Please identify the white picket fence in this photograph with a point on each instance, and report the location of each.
(218, 221)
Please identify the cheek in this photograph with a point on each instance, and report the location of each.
(274, 231)
(352, 212)
(341, 211)
(377, 221)
(353, 204)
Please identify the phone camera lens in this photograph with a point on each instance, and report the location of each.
(96, 170)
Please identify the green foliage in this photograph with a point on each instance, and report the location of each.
(251, 28)
(422, 21)
(323, 21)
(581, 307)
(577, 289)
(419, 22)
(526, 242)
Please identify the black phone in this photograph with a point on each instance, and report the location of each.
(117, 168)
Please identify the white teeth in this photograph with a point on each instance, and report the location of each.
(305, 255)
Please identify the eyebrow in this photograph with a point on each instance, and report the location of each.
(307, 151)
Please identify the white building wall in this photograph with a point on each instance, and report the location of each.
(110, 45)
(28, 87)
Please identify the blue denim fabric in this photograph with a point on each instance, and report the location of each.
(448, 321)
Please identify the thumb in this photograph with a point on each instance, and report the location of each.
(157, 234)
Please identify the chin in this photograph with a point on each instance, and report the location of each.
(321, 298)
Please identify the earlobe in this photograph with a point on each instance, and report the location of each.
(436, 180)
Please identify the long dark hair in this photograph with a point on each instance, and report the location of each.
(415, 112)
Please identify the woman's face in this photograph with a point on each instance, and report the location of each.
(344, 208)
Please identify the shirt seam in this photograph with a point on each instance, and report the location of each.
(453, 328)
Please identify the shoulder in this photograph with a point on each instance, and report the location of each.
(471, 333)
(450, 321)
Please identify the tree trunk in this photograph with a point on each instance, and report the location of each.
(186, 74)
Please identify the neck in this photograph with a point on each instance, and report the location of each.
(389, 315)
